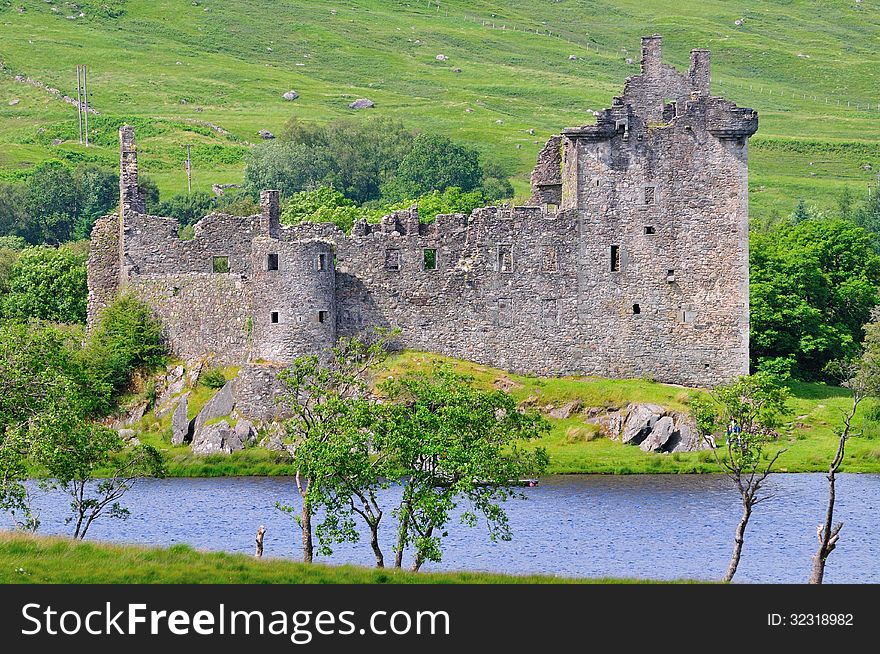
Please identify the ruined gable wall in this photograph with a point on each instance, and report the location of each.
(103, 265)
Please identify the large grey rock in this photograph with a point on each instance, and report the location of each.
(216, 438)
(362, 103)
(640, 420)
(172, 385)
(180, 422)
(217, 407)
(266, 134)
(610, 424)
(244, 430)
(660, 434)
(685, 438)
(565, 411)
(290, 95)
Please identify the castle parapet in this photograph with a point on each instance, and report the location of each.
(724, 120)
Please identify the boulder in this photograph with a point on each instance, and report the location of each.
(216, 438)
(266, 134)
(180, 422)
(14, 102)
(640, 420)
(659, 436)
(172, 385)
(441, 57)
(290, 96)
(244, 430)
(193, 370)
(136, 414)
(126, 434)
(217, 407)
(610, 424)
(566, 410)
(362, 103)
(685, 438)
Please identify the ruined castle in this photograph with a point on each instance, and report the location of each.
(631, 261)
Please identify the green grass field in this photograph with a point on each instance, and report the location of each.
(171, 67)
(26, 559)
(575, 446)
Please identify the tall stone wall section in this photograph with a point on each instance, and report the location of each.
(634, 261)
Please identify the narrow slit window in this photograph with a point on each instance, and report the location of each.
(220, 264)
(430, 258)
(505, 258)
(323, 315)
(322, 261)
(272, 261)
(615, 258)
(649, 229)
(274, 317)
(392, 260)
(636, 309)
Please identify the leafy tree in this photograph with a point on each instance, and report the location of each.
(288, 167)
(47, 283)
(434, 163)
(74, 452)
(322, 205)
(801, 212)
(43, 384)
(813, 286)
(451, 200)
(97, 192)
(149, 191)
(50, 202)
(13, 213)
(750, 408)
(188, 209)
(868, 214)
(322, 394)
(862, 377)
(496, 182)
(453, 442)
(127, 336)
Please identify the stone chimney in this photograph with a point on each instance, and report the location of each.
(700, 72)
(270, 208)
(651, 46)
(130, 200)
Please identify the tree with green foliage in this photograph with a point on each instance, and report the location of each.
(861, 376)
(50, 202)
(322, 395)
(13, 212)
(97, 191)
(801, 212)
(48, 284)
(434, 164)
(44, 384)
(451, 200)
(868, 214)
(454, 442)
(187, 208)
(74, 452)
(288, 167)
(126, 336)
(812, 286)
(322, 205)
(749, 409)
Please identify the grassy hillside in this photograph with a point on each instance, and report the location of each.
(39, 560)
(574, 445)
(174, 68)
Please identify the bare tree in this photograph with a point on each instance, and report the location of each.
(261, 532)
(862, 377)
(749, 409)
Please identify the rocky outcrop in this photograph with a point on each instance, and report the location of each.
(565, 411)
(658, 436)
(219, 406)
(180, 422)
(654, 429)
(217, 438)
(640, 420)
(362, 103)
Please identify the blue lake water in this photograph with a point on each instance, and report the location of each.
(645, 526)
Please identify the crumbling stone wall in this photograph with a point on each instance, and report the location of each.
(633, 261)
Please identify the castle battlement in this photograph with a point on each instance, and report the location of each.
(631, 260)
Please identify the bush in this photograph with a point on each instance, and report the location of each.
(434, 164)
(126, 337)
(188, 209)
(212, 378)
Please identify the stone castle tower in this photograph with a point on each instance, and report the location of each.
(632, 260)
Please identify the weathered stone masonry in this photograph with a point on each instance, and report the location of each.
(633, 261)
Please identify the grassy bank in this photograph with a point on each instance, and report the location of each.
(41, 560)
(574, 445)
(179, 70)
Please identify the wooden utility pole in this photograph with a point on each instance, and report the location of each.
(188, 167)
(85, 77)
(79, 102)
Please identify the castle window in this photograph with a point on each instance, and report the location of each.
(220, 264)
(429, 256)
(323, 315)
(272, 261)
(274, 317)
(636, 309)
(504, 312)
(670, 275)
(686, 316)
(392, 259)
(550, 261)
(649, 229)
(621, 126)
(551, 207)
(615, 258)
(505, 258)
(322, 261)
(549, 312)
(649, 199)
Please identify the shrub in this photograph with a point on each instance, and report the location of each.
(212, 378)
(126, 337)
(48, 284)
